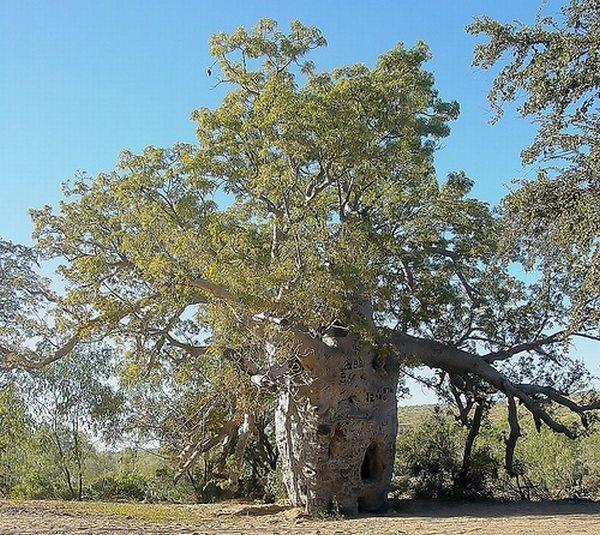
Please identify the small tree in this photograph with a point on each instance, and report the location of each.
(29, 326)
(15, 431)
(72, 402)
(207, 419)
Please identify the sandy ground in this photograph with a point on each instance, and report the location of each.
(421, 518)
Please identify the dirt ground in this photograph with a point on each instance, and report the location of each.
(45, 517)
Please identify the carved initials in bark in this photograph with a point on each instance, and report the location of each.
(336, 433)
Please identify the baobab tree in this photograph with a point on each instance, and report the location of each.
(306, 240)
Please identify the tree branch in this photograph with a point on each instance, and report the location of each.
(526, 346)
(438, 355)
(33, 361)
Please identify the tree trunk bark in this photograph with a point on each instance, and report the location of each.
(336, 433)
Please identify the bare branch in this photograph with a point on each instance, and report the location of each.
(526, 346)
(189, 455)
(33, 361)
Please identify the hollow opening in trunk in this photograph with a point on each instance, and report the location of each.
(372, 465)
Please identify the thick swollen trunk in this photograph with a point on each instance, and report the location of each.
(336, 435)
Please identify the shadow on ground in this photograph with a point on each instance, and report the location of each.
(450, 508)
(263, 510)
(491, 509)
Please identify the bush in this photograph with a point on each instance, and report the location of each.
(559, 468)
(38, 485)
(428, 456)
(119, 487)
(429, 462)
(550, 466)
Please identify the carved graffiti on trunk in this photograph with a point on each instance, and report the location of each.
(336, 434)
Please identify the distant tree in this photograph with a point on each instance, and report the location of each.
(15, 431)
(307, 241)
(552, 222)
(73, 402)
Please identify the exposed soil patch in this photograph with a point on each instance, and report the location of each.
(46, 517)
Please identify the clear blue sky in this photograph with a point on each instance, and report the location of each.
(81, 80)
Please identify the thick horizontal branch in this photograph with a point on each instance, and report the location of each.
(441, 356)
(552, 394)
(33, 360)
(191, 349)
(310, 348)
(212, 288)
(310, 345)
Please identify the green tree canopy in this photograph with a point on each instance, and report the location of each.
(552, 223)
(30, 332)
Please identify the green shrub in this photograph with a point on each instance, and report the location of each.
(38, 485)
(119, 487)
(550, 466)
(559, 468)
(428, 456)
(429, 462)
